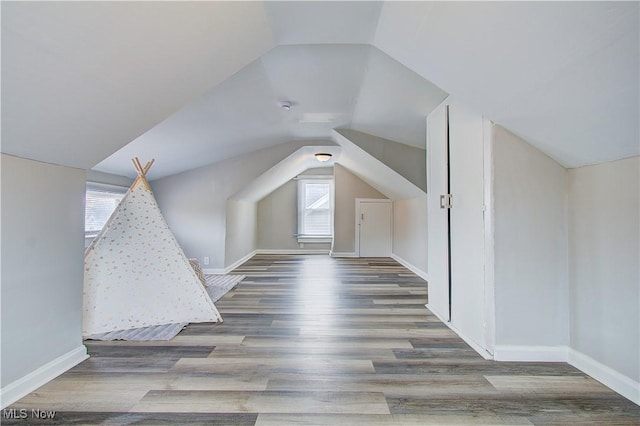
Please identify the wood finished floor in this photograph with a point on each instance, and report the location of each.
(315, 340)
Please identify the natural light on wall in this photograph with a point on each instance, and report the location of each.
(315, 209)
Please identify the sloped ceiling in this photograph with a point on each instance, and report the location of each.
(330, 86)
(191, 83)
(347, 154)
(82, 79)
(562, 75)
(299, 161)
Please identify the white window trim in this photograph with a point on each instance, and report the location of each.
(301, 237)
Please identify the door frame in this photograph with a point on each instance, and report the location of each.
(360, 201)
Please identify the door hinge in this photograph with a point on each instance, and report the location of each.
(445, 201)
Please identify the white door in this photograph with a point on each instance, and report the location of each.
(375, 224)
(456, 258)
(467, 222)
(438, 219)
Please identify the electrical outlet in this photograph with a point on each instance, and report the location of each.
(206, 260)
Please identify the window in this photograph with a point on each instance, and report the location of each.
(315, 209)
(101, 200)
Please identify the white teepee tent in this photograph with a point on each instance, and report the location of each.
(138, 283)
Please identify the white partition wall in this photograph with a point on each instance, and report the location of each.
(531, 290)
(466, 174)
(438, 221)
(42, 217)
(543, 260)
(456, 173)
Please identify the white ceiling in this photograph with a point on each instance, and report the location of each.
(394, 101)
(323, 22)
(299, 161)
(82, 79)
(346, 153)
(371, 170)
(330, 86)
(562, 75)
(190, 83)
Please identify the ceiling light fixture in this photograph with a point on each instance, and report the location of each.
(323, 156)
(285, 105)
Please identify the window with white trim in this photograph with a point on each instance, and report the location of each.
(315, 209)
(100, 202)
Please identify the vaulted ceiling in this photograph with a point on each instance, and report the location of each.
(192, 83)
(329, 86)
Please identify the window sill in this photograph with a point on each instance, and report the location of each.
(315, 238)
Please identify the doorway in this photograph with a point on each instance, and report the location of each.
(374, 227)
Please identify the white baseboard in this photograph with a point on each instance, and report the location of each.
(609, 377)
(292, 251)
(530, 353)
(436, 313)
(227, 269)
(419, 272)
(342, 254)
(481, 351)
(476, 347)
(32, 381)
(239, 262)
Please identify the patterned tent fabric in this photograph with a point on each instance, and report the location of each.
(136, 275)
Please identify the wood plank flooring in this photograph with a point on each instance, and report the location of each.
(315, 340)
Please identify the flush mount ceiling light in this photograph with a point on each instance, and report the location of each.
(285, 105)
(323, 156)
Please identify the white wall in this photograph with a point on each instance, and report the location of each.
(406, 160)
(531, 266)
(194, 203)
(278, 218)
(42, 265)
(604, 273)
(410, 232)
(348, 187)
(241, 230)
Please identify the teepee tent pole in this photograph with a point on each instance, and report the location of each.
(148, 166)
(142, 172)
(136, 164)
